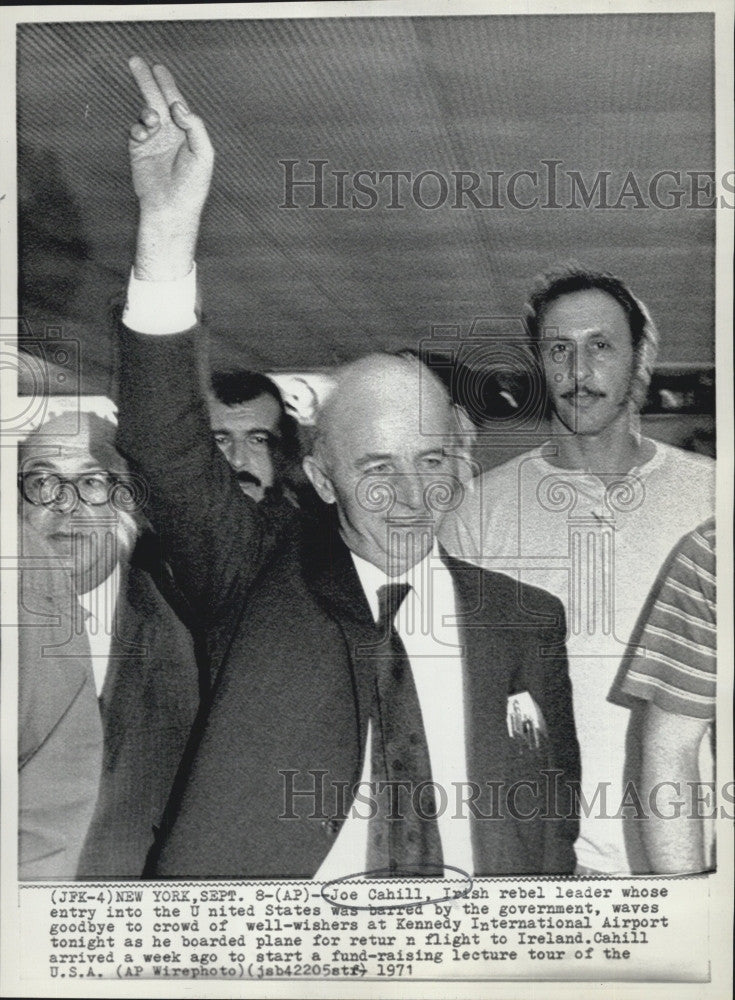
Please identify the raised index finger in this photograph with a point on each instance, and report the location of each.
(152, 93)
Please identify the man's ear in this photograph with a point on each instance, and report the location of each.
(463, 447)
(319, 479)
(464, 425)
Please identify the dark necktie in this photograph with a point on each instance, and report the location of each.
(404, 836)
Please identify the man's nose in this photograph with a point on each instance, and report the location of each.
(239, 456)
(411, 492)
(581, 365)
(65, 502)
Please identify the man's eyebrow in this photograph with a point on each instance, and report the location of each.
(588, 331)
(373, 456)
(48, 465)
(263, 430)
(388, 457)
(38, 463)
(250, 430)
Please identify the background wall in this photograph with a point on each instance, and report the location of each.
(302, 288)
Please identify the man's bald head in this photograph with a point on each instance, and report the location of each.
(84, 434)
(380, 456)
(374, 387)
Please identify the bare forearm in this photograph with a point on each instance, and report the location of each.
(165, 247)
(674, 843)
(673, 832)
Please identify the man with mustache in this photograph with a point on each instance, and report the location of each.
(254, 432)
(590, 516)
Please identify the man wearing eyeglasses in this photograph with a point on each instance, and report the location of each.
(141, 693)
(69, 476)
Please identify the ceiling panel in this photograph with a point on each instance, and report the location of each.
(304, 287)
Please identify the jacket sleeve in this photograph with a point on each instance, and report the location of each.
(561, 819)
(215, 538)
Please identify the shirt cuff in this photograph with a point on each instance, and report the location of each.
(161, 307)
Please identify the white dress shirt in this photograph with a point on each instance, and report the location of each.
(161, 307)
(99, 623)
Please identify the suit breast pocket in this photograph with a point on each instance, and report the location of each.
(528, 751)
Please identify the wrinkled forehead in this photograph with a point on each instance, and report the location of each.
(407, 417)
(57, 455)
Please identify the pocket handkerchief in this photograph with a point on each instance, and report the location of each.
(525, 720)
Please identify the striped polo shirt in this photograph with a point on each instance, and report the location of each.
(676, 656)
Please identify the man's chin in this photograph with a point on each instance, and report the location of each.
(252, 491)
(408, 543)
(583, 421)
(73, 547)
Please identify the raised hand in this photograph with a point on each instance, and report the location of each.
(171, 160)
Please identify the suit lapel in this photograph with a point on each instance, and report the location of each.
(485, 666)
(123, 694)
(332, 578)
(488, 680)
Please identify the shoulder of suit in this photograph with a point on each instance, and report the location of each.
(502, 586)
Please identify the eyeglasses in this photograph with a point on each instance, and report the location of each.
(63, 493)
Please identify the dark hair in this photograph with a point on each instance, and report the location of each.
(241, 386)
(577, 279)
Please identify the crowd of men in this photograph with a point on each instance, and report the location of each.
(268, 667)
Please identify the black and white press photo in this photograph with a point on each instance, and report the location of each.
(367, 413)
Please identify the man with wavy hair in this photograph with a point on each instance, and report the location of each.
(590, 516)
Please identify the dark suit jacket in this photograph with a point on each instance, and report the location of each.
(286, 618)
(148, 704)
